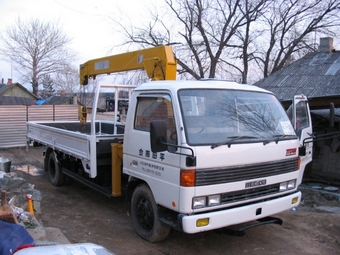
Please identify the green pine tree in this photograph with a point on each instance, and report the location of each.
(47, 83)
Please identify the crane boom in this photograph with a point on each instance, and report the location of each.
(158, 62)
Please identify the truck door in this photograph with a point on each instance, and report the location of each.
(302, 123)
(160, 170)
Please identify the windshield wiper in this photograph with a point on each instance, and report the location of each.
(277, 138)
(230, 141)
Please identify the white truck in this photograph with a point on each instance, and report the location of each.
(193, 155)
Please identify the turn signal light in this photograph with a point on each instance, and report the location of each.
(187, 178)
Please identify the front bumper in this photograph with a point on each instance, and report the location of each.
(229, 217)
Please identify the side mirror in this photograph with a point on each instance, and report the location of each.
(158, 136)
(302, 151)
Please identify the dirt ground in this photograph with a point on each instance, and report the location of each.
(87, 216)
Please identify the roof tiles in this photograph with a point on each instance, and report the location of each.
(315, 75)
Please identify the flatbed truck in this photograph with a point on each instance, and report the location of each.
(192, 155)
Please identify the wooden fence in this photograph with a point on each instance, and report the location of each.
(13, 120)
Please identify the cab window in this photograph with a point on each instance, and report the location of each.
(302, 119)
(156, 108)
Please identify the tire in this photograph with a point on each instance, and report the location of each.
(54, 171)
(145, 216)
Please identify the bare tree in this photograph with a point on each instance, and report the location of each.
(228, 38)
(67, 79)
(203, 36)
(246, 36)
(291, 27)
(37, 48)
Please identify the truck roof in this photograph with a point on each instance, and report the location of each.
(175, 85)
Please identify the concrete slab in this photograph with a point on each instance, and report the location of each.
(55, 235)
(38, 233)
(46, 235)
(37, 230)
(335, 209)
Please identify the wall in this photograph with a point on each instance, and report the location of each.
(326, 159)
(326, 152)
(13, 120)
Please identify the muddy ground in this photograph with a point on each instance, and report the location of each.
(87, 216)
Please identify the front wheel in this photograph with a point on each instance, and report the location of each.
(54, 170)
(145, 216)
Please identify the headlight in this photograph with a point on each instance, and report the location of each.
(214, 200)
(198, 202)
(287, 185)
(283, 186)
(291, 184)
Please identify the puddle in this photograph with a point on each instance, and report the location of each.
(29, 169)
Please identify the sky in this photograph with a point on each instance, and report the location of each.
(87, 22)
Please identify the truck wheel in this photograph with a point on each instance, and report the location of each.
(54, 171)
(145, 216)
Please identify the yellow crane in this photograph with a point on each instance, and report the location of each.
(158, 62)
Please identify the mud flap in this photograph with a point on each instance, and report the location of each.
(242, 231)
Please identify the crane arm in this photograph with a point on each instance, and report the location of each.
(158, 62)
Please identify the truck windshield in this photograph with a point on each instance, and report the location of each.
(220, 116)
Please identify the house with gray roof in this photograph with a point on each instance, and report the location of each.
(317, 76)
(15, 94)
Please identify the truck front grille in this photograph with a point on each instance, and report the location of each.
(210, 176)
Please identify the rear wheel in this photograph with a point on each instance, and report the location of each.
(54, 171)
(145, 216)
